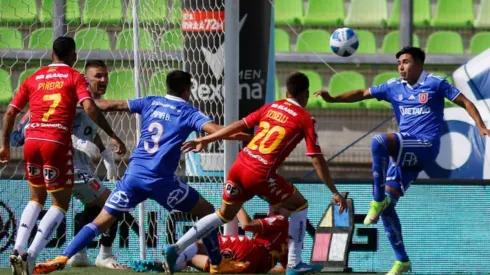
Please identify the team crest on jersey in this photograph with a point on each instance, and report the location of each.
(423, 97)
(50, 173)
(231, 190)
(34, 171)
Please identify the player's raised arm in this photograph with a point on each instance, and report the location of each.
(464, 102)
(113, 105)
(351, 96)
(199, 144)
(212, 128)
(96, 115)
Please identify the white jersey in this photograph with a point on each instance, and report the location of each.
(85, 129)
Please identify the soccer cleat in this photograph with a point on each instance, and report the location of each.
(303, 269)
(58, 263)
(15, 263)
(170, 258)
(30, 264)
(400, 267)
(79, 260)
(109, 262)
(228, 266)
(375, 210)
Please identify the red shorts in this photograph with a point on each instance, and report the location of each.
(48, 164)
(243, 184)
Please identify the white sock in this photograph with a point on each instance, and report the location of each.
(27, 222)
(47, 227)
(82, 252)
(105, 252)
(186, 256)
(297, 229)
(200, 230)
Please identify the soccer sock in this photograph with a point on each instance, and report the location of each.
(106, 241)
(393, 230)
(211, 244)
(186, 256)
(379, 150)
(27, 222)
(297, 229)
(201, 229)
(48, 225)
(81, 240)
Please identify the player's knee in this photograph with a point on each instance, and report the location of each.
(379, 144)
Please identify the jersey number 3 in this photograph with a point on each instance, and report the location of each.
(56, 98)
(265, 135)
(152, 148)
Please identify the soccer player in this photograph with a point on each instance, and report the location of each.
(53, 93)
(267, 247)
(166, 124)
(418, 102)
(88, 189)
(282, 125)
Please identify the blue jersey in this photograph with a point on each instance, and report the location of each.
(419, 109)
(166, 122)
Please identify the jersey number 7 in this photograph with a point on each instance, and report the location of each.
(56, 98)
(265, 135)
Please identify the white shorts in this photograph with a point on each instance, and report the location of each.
(87, 187)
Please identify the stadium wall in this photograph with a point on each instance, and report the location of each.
(445, 225)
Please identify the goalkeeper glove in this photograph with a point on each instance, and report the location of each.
(85, 146)
(109, 163)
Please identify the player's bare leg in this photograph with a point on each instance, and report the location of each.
(298, 206)
(205, 226)
(27, 223)
(382, 147)
(48, 225)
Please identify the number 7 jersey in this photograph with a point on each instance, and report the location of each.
(281, 126)
(53, 93)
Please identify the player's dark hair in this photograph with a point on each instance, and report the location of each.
(63, 47)
(297, 83)
(95, 64)
(417, 53)
(178, 82)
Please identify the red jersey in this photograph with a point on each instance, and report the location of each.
(53, 93)
(282, 125)
(264, 250)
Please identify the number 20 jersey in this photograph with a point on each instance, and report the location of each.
(53, 93)
(281, 126)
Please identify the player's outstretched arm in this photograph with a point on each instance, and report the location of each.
(321, 168)
(248, 224)
(212, 128)
(352, 96)
(113, 105)
(464, 102)
(96, 115)
(8, 125)
(197, 145)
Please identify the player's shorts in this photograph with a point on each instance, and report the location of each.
(88, 187)
(171, 193)
(48, 164)
(413, 154)
(243, 184)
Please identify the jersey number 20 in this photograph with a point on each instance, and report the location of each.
(265, 135)
(152, 148)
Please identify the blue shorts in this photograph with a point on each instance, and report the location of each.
(413, 154)
(171, 193)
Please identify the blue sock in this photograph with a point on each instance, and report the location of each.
(393, 230)
(379, 150)
(211, 244)
(81, 240)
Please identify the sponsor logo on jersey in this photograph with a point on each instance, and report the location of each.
(414, 111)
(423, 97)
(231, 190)
(48, 125)
(257, 157)
(56, 75)
(50, 173)
(284, 108)
(33, 170)
(411, 97)
(41, 76)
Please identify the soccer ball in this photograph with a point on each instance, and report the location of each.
(344, 42)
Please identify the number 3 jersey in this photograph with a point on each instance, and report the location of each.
(281, 126)
(166, 123)
(53, 93)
